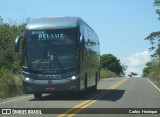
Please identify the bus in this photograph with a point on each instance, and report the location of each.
(59, 54)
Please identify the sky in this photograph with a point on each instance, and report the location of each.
(121, 25)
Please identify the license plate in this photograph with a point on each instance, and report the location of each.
(50, 88)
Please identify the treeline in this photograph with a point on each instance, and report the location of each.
(152, 68)
(10, 81)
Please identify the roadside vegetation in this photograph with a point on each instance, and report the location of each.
(132, 74)
(107, 74)
(10, 81)
(152, 68)
(111, 66)
(152, 71)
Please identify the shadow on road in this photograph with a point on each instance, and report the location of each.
(114, 95)
(108, 95)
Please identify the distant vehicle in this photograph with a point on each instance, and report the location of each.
(59, 54)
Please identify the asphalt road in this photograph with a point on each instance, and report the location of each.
(114, 95)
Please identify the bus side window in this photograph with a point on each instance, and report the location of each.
(82, 45)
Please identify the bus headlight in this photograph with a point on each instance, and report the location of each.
(73, 77)
(27, 79)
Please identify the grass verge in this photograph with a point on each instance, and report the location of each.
(10, 84)
(107, 74)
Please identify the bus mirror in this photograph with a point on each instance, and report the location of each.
(17, 43)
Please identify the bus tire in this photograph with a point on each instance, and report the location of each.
(37, 95)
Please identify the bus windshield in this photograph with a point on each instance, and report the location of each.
(50, 49)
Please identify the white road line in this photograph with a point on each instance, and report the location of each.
(15, 99)
(153, 84)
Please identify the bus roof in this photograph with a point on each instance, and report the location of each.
(53, 23)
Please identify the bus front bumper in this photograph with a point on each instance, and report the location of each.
(49, 86)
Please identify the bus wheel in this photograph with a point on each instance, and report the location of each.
(37, 95)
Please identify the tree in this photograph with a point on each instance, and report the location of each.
(152, 69)
(110, 62)
(124, 68)
(157, 3)
(8, 32)
(154, 37)
(132, 74)
(147, 69)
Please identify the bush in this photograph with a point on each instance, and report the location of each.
(152, 71)
(10, 81)
(155, 74)
(10, 84)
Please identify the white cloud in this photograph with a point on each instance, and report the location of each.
(136, 62)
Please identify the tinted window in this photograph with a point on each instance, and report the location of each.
(50, 49)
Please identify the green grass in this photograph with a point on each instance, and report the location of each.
(107, 74)
(10, 84)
